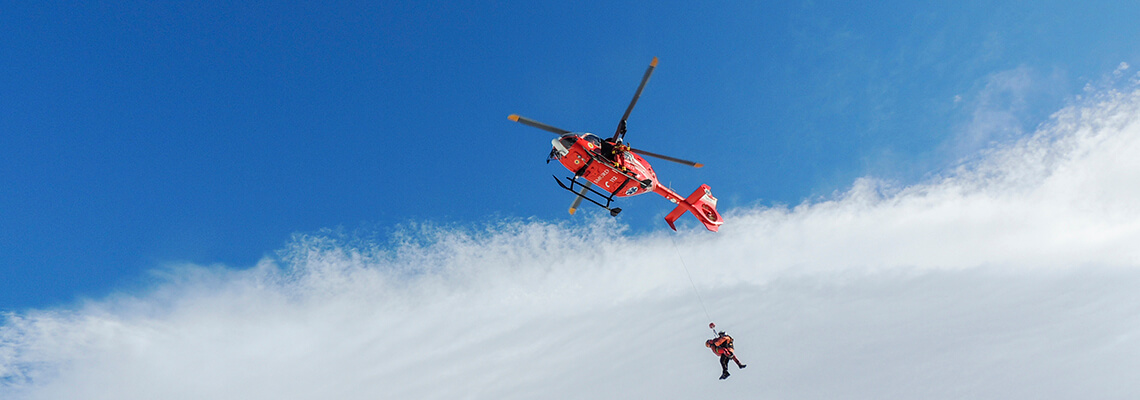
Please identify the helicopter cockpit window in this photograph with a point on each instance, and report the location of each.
(562, 145)
(568, 140)
(593, 139)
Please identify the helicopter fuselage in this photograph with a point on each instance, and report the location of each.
(611, 167)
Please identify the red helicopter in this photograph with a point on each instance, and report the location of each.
(619, 170)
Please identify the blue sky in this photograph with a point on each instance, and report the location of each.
(134, 135)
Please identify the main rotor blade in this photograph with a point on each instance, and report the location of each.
(644, 79)
(530, 122)
(578, 200)
(667, 158)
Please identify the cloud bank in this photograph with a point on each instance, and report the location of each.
(1011, 276)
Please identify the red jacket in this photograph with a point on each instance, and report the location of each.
(721, 346)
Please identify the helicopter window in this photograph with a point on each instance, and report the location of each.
(562, 145)
(568, 141)
(593, 139)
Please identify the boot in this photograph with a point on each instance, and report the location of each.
(724, 375)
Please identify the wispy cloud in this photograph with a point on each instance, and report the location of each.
(1012, 276)
(1003, 109)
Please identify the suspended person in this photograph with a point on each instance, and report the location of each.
(721, 345)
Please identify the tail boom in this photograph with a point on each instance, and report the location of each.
(701, 204)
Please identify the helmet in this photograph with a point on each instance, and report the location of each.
(712, 325)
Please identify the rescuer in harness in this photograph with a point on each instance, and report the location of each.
(721, 345)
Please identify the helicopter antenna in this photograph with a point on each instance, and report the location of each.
(620, 133)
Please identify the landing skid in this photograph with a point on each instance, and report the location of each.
(574, 183)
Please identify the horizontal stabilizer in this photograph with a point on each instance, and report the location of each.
(703, 206)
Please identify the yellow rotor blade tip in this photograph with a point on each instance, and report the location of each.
(699, 165)
(513, 117)
(653, 63)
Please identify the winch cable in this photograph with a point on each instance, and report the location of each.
(691, 282)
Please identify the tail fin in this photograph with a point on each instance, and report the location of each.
(703, 206)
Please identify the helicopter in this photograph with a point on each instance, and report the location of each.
(605, 168)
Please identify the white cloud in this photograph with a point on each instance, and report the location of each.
(1002, 108)
(1012, 277)
(1120, 69)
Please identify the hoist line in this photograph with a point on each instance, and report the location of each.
(686, 268)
